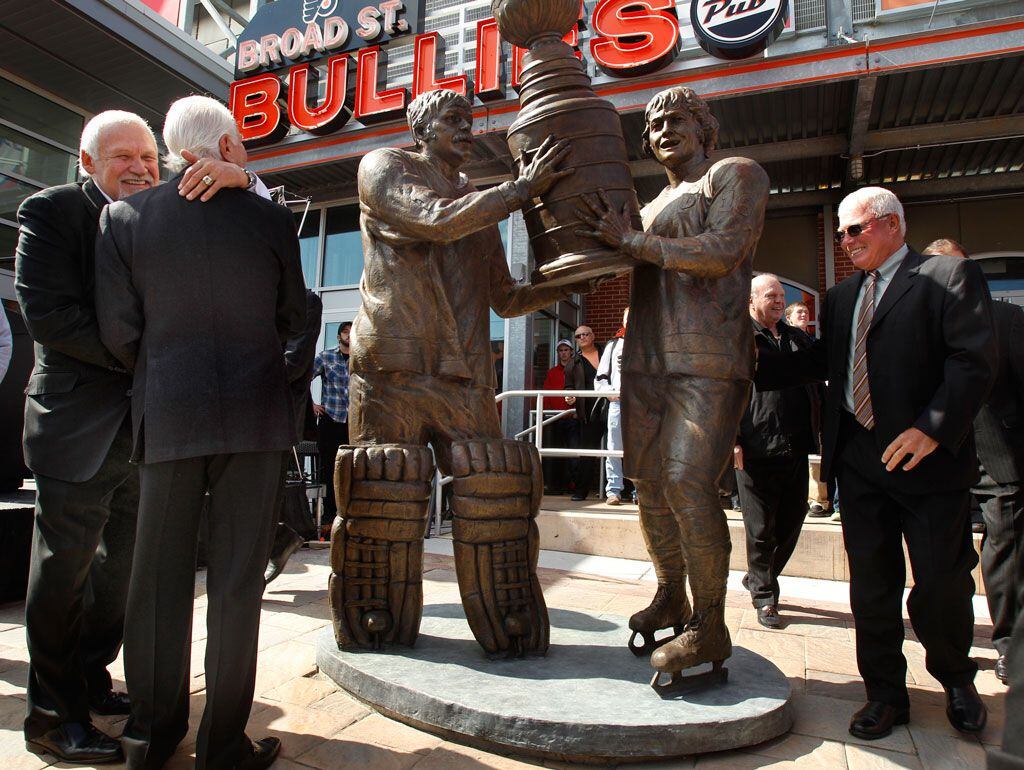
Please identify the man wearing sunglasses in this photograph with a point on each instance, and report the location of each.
(909, 354)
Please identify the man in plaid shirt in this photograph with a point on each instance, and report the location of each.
(331, 366)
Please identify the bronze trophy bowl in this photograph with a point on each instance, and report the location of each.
(556, 98)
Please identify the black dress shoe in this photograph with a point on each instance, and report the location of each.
(768, 616)
(1001, 669)
(76, 744)
(965, 710)
(264, 752)
(577, 496)
(110, 703)
(876, 719)
(286, 542)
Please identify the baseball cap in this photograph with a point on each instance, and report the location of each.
(567, 343)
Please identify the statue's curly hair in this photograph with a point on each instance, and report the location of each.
(425, 107)
(681, 96)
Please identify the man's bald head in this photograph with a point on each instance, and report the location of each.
(767, 300)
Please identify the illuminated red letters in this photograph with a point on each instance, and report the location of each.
(490, 75)
(254, 103)
(428, 67)
(372, 105)
(337, 106)
(634, 37)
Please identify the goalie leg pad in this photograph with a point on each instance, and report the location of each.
(497, 487)
(376, 585)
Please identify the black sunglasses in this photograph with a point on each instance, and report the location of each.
(854, 230)
(585, 334)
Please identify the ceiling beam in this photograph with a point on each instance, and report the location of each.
(794, 149)
(860, 119)
(944, 133)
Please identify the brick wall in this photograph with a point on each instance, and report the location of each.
(844, 267)
(602, 310)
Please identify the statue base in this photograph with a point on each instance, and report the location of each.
(588, 700)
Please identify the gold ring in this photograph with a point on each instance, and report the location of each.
(207, 180)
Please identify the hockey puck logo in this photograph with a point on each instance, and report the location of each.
(736, 29)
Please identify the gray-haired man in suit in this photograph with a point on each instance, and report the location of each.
(210, 413)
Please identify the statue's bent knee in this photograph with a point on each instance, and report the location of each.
(497, 491)
(376, 585)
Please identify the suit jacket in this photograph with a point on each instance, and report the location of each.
(999, 426)
(197, 300)
(78, 394)
(299, 355)
(931, 361)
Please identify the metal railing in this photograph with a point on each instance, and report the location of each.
(539, 421)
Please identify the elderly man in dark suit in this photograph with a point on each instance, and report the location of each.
(211, 413)
(909, 354)
(77, 443)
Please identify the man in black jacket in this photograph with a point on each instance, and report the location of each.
(77, 443)
(999, 434)
(210, 413)
(776, 435)
(909, 354)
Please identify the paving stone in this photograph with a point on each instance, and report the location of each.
(842, 686)
(302, 690)
(859, 757)
(388, 732)
(454, 756)
(938, 749)
(347, 752)
(300, 729)
(830, 718)
(797, 748)
(343, 704)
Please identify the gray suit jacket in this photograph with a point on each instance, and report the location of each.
(197, 299)
(999, 426)
(78, 394)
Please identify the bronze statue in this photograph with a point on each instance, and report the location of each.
(421, 372)
(555, 97)
(686, 370)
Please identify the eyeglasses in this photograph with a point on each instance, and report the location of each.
(584, 334)
(854, 230)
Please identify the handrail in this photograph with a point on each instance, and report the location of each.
(539, 422)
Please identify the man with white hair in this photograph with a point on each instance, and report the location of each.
(909, 354)
(210, 413)
(77, 443)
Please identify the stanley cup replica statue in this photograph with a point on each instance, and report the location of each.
(556, 99)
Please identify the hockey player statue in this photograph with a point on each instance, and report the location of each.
(422, 372)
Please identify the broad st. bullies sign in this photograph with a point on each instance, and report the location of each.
(291, 44)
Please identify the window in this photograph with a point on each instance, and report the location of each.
(37, 149)
(309, 243)
(343, 247)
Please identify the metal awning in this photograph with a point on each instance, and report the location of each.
(102, 54)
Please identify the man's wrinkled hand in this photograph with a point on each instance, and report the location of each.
(544, 169)
(911, 443)
(737, 457)
(222, 174)
(318, 410)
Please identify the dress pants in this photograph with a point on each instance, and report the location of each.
(330, 435)
(877, 516)
(158, 630)
(1011, 755)
(773, 496)
(78, 585)
(1002, 507)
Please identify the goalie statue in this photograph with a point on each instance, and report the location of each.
(421, 372)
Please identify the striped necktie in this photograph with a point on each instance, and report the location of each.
(862, 410)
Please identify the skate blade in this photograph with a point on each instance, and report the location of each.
(677, 683)
(651, 643)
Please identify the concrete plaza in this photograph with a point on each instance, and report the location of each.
(322, 727)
